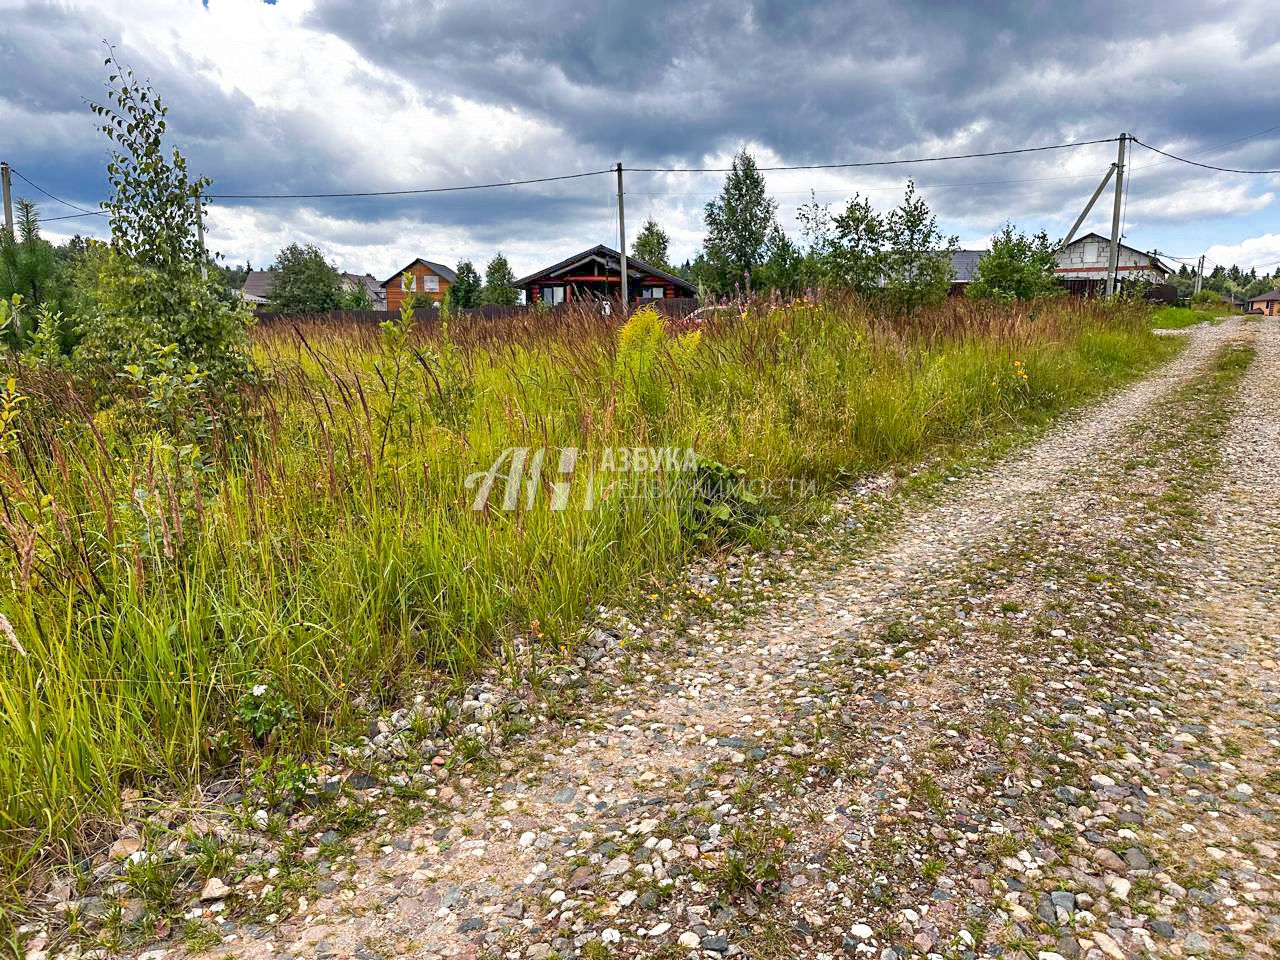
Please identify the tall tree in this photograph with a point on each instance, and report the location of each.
(499, 282)
(651, 245)
(465, 290)
(739, 221)
(304, 282)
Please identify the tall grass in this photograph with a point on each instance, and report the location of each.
(325, 547)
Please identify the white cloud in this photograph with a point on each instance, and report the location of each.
(1262, 252)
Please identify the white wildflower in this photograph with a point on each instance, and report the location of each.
(258, 690)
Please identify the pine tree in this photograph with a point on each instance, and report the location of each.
(739, 222)
(464, 292)
(499, 282)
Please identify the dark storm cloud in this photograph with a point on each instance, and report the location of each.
(677, 84)
(678, 80)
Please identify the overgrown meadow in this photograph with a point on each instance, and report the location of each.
(187, 594)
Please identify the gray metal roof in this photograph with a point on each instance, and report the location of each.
(964, 264)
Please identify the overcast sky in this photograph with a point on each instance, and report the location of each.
(305, 96)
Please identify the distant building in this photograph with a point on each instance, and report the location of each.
(377, 296)
(596, 274)
(258, 283)
(257, 287)
(1082, 265)
(1266, 303)
(964, 267)
(421, 277)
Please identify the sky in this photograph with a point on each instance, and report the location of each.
(322, 96)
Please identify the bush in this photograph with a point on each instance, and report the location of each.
(1019, 267)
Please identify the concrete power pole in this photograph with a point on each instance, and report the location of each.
(1113, 263)
(8, 198)
(204, 257)
(622, 243)
(1199, 274)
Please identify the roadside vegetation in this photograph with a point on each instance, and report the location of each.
(1178, 318)
(222, 545)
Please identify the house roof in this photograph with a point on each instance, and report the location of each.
(368, 281)
(608, 253)
(1266, 297)
(437, 268)
(1155, 261)
(964, 264)
(257, 284)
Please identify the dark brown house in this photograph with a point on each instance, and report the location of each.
(596, 274)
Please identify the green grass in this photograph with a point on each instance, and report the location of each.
(174, 610)
(1178, 318)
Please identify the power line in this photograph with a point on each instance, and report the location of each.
(402, 193)
(72, 216)
(879, 163)
(1197, 163)
(894, 186)
(68, 203)
(1215, 147)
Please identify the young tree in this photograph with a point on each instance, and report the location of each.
(856, 255)
(739, 221)
(147, 293)
(465, 290)
(304, 282)
(917, 257)
(499, 282)
(651, 245)
(1019, 267)
(782, 269)
(28, 263)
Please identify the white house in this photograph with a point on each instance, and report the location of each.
(1082, 264)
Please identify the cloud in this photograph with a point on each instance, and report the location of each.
(321, 96)
(1262, 252)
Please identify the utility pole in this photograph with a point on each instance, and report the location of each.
(8, 199)
(1199, 274)
(204, 257)
(622, 242)
(1113, 262)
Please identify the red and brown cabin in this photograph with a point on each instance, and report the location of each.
(596, 274)
(424, 278)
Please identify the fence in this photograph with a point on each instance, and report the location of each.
(676, 308)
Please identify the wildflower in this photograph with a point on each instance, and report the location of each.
(259, 689)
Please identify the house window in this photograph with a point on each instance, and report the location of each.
(652, 293)
(430, 284)
(551, 295)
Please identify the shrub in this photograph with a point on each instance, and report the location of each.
(1018, 267)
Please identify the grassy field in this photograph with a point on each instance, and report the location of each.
(1178, 318)
(181, 599)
